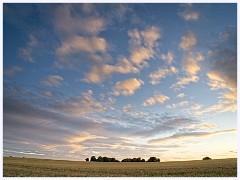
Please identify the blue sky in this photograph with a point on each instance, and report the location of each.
(120, 80)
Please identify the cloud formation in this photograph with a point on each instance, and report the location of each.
(78, 31)
(77, 44)
(26, 52)
(161, 74)
(142, 44)
(52, 81)
(188, 14)
(142, 49)
(12, 70)
(127, 87)
(190, 135)
(156, 99)
(80, 105)
(188, 41)
(184, 81)
(191, 61)
(181, 95)
(100, 72)
(180, 104)
(168, 57)
(67, 23)
(223, 73)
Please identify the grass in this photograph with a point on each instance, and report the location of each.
(29, 167)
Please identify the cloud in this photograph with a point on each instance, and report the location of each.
(39, 125)
(181, 95)
(77, 44)
(223, 72)
(142, 48)
(140, 55)
(184, 81)
(127, 108)
(47, 93)
(78, 106)
(191, 61)
(190, 15)
(78, 29)
(143, 44)
(156, 99)
(10, 71)
(189, 135)
(52, 81)
(201, 126)
(68, 22)
(100, 72)
(26, 53)
(180, 104)
(188, 41)
(127, 87)
(162, 73)
(168, 57)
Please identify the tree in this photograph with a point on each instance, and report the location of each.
(100, 159)
(142, 160)
(153, 159)
(112, 159)
(206, 158)
(105, 159)
(138, 159)
(87, 159)
(93, 158)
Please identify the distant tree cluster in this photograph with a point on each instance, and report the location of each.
(103, 159)
(153, 159)
(133, 160)
(107, 159)
(206, 158)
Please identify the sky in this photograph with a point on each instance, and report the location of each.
(120, 80)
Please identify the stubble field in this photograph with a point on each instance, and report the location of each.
(29, 167)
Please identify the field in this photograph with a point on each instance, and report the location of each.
(28, 167)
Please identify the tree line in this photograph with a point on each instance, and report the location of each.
(107, 159)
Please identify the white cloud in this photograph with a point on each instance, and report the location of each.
(127, 87)
(68, 23)
(180, 104)
(53, 81)
(188, 41)
(143, 44)
(26, 53)
(78, 31)
(81, 105)
(101, 72)
(142, 49)
(127, 108)
(191, 61)
(168, 57)
(78, 44)
(181, 95)
(190, 135)
(162, 73)
(190, 15)
(156, 99)
(182, 82)
(12, 70)
(200, 126)
(223, 73)
(140, 54)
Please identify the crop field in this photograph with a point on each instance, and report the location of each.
(29, 167)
